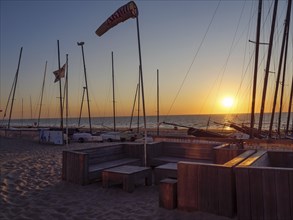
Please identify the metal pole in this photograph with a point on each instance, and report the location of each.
(255, 69)
(84, 88)
(16, 77)
(66, 100)
(158, 104)
(60, 90)
(267, 67)
(44, 79)
(138, 100)
(286, 26)
(113, 87)
(87, 93)
(284, 67)
(289, 108)
(142, 91)
(133, 107)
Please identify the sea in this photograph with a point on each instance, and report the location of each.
(215, 121)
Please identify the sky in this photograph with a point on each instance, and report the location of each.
(200, 49)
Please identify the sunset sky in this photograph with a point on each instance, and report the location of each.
(201, 49)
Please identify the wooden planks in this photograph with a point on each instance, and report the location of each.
(168, 170)
(168, 193)
(264, 192)
(127, 175)
(75, 167)
(208, 187)
(188, 186)
(225, 153)
(168, 152)
(85, 165)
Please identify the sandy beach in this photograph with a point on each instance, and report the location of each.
(31, 188)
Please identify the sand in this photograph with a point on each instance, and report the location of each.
(31, 188)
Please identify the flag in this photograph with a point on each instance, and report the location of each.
(123, 13)
(59, 73)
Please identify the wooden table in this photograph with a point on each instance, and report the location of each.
(168, 170)
(127, 175)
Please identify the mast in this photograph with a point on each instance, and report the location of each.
(284, 67)
(11, 90)
(87, 92)
(286, 28)
(84, 88)
(14, 88)
(255, 68)
(158, 104)
(133, 106)
(142, 90)
(66, 94)
(267, 66)
(138, 100)
(21, 111)
(42, 94)
(113, 87)
(60, 89)
(289, 108)
(31, 106)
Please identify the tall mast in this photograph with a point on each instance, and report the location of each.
(113, 87)
(14, 88)
(284, 67)
(87, 92)
(289, 108)
(255, 68)
(60, 89)
(66, 94)
(282, 85)
(158, 103)
(286, 28)
(267, 66)
(138, 100)
(142, 90)
(42, 94)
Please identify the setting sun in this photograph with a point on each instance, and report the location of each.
(227, 102)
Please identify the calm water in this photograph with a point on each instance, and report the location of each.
(198, 121)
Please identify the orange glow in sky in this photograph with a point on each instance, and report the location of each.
(201, 49)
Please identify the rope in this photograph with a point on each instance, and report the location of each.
(195, 56)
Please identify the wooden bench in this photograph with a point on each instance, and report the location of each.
(225, 152)
(221, 154)
(209, 187)
(168, 170)
(171, 152)
(264, 186)
(86, 165)
(127, 175)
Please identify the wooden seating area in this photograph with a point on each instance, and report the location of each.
(209, 187)
(86, 165)
(225, 180)
(171, 152)
(264, 184)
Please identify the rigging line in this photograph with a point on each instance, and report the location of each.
(229, 54)
(193, 60)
